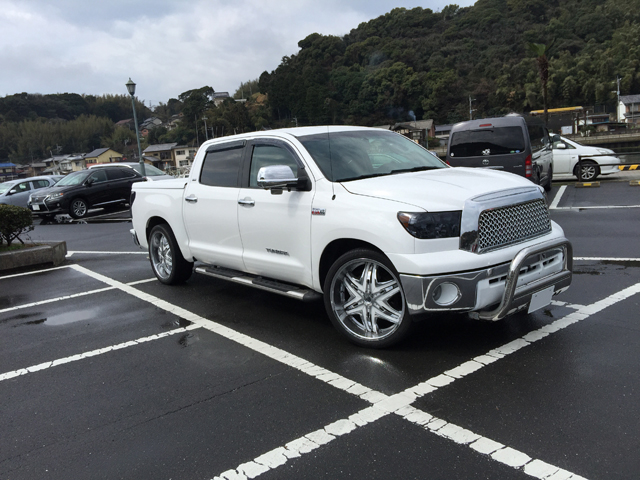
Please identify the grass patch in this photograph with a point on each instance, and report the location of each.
(16, 246)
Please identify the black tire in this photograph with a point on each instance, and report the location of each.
(78, 208)
(370, 319)
(167, 261)
(590, 171)
(547, 185)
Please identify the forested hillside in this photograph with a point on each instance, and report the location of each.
(431, 62)
(403, 65)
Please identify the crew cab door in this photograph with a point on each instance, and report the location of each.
(210, 207)
(275, 225)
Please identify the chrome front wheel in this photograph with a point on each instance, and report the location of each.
(365, 300)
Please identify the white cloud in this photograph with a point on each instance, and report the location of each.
(166, 47)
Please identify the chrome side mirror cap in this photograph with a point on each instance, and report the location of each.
(276, 176)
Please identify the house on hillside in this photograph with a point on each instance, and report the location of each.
(183, 156)
(103, 155)
(8, 171)
(162, 154)
(220, 97)
(173, 122)
(629, 109)
(127, 123)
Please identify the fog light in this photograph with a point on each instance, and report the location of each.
(446, 294)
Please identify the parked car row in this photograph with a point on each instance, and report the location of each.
(16, 192)
(522, 145)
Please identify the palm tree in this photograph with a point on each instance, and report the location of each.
(540, 50)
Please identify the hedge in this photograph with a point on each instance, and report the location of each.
(14, 221)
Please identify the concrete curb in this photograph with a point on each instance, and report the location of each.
(43, 253)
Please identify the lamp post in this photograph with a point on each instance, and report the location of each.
(131, 88)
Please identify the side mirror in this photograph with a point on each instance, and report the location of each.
(561, 146)
(12, 191)
(276, 176)
(89, 182)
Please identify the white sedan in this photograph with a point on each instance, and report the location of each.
(565, 159)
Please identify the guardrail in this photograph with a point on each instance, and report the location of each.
(621, 167)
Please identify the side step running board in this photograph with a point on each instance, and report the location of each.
(274, 286)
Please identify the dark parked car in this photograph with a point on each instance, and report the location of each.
(513, 143)
(76, 193)
(16, 192)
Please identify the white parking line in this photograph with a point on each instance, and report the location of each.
(556, 199)
(382, 404)
(605, 259)
(97, 252)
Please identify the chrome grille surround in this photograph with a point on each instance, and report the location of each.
(503, 218)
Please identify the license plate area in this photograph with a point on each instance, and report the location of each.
(541, 299)
(35, 207)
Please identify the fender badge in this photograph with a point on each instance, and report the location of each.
(318, 211)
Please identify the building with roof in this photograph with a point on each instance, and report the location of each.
(629, 109)
(102, 155)
(8, 171)
(162, 154)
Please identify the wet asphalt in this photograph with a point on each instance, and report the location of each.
(106, 373)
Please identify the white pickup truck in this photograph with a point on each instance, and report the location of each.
(379, 227)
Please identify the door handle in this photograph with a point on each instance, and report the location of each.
(247, 202)
(191, 199)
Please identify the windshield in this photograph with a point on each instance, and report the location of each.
(344, 156)
(486, 142)
(149, 170)
(73, 179)
(6, 186)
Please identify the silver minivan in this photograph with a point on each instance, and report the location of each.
(515, 144)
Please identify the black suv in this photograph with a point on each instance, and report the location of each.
(76, 193)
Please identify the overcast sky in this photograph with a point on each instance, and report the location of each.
(165, 46)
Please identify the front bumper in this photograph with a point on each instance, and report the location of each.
(496, 292)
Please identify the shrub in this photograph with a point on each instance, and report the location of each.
(14, 221)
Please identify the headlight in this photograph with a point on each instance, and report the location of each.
(604, 151)
(431, 224)
(54, 196)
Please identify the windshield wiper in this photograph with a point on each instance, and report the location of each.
(414, 169)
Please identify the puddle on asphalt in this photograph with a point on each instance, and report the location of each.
(177, 323)
(71, 317)
(188, 339)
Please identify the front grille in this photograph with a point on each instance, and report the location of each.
(499, 227)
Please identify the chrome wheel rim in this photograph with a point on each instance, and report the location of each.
(588, 172)
(161, 257)
(79, 208)
(367, 299)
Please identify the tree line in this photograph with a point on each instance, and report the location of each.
(406, 64)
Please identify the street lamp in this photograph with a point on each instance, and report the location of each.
(131, 88)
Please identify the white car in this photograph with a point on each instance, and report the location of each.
(565, 160)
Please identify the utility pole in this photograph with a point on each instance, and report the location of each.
(471, 110)
(206, 133)
(618, 104)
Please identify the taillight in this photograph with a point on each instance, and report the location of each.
(528, 167)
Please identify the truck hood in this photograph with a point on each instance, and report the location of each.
(437, 190)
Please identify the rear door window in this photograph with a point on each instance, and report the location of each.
(221, 168)
(487, 142)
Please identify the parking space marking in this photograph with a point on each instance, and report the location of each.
(33, 272)
(57, 299)
(93, 353)
(556, 199)
(89, 252)
(606, 259)
(399, 403)
(609, 207)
